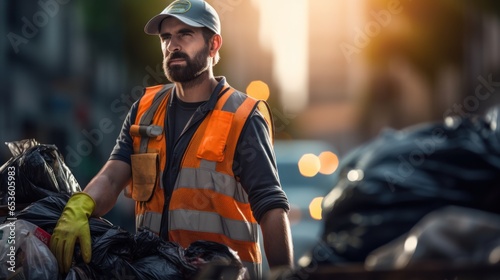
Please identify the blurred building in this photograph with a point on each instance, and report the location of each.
(61, 67)
(336, 75)
(242, 58)
(379, 64)
(57, 71)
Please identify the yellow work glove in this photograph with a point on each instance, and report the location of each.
(72, 225)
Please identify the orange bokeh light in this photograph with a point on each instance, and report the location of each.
(258, 90)
(309, 165)
(329, 162)
(315, 208)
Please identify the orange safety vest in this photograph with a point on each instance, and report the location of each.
(208, 202)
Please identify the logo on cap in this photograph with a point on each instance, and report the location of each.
(179, 7)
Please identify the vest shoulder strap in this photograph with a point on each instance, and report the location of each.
(144, 128)
(147, 117)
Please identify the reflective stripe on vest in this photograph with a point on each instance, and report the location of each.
(217, 182)
(213, 223)
(149, 220)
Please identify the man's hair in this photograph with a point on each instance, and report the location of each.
(207, 35)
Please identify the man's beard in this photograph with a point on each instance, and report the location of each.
(191, 71)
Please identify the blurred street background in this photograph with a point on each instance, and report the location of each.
(335, 73)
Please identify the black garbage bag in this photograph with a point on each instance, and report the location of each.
(212, 252)
(170, 251)
(215, 261)
(46, 212)
(118, 254)
(156, 267)
(112, 250)
(449, 235)
(36, 171)
(389, 184)
(82, 271)
(146, 243)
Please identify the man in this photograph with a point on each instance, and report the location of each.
(197, 154)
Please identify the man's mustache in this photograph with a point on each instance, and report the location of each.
(176, 55)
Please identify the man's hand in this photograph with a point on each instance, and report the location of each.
(72, 225)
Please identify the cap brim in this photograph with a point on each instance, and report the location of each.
(153, 25)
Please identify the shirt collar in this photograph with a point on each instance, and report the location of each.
(210, 105)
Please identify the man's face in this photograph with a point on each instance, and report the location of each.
(185, 53)
(177, 72)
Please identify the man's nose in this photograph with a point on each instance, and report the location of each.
(173, 45)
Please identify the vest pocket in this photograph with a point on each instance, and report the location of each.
(144, 175)
(213, 144)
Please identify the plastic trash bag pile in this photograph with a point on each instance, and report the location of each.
(45, 183)
(389, 184)
(116, 253)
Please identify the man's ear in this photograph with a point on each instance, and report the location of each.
(215, 44)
